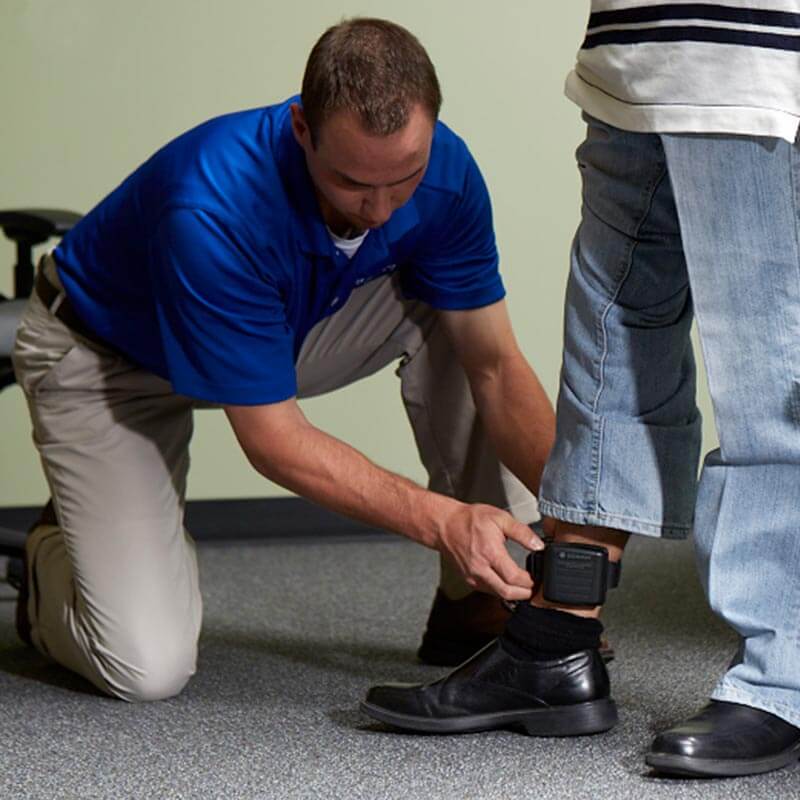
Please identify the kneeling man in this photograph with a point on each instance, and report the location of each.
(263, 256)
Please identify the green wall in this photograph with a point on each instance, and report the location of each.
(90, 88)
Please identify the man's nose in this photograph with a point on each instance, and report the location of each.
(379, 205)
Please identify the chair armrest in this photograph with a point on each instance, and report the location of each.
(35, 225)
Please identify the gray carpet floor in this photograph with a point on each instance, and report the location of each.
(294, 634)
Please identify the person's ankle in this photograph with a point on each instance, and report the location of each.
(612, 539)
(538, 634)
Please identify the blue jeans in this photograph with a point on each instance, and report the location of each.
(676, 226)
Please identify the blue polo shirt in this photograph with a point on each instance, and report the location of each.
(210, 264)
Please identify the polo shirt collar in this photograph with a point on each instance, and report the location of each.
(312, 235)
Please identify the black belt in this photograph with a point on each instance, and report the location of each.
(64, 310)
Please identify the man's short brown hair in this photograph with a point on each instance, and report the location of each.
(372, 67)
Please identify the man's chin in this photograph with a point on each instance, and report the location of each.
(369, 225)
(355, 226)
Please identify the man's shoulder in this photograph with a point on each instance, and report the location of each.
(449, 163)
(243, 124)
(228, 166)
(226, 145)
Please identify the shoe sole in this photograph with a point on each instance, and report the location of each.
(580, 719)
(686, 766)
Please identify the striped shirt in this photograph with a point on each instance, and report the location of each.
(731, 67)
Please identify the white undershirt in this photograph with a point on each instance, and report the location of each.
(348, 246)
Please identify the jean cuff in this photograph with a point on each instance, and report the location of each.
(622, 472)
(729, 692)
(579, 516)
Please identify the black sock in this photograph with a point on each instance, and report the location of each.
(539, 634)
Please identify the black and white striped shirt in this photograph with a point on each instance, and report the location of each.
(731, 67)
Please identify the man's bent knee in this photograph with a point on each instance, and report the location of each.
(159, 674)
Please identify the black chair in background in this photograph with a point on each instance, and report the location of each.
(26, 228)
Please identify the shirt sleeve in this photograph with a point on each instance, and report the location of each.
(458, 267)
(222, 320)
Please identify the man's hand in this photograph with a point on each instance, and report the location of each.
(474, 538)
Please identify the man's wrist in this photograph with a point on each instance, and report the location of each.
(430, 511)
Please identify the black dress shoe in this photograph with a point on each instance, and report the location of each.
(457, 629)
(561, 697)
(725, 740)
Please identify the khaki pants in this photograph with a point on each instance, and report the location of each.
(115, 594)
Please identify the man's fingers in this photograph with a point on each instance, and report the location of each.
(517, 593)
(522, 534)
(496, 585)
(510, 572)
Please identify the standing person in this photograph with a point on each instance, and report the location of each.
(691, 191)
(265, 255)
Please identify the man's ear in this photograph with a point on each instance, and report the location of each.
(300, 129)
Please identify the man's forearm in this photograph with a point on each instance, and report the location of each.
(330, 472)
